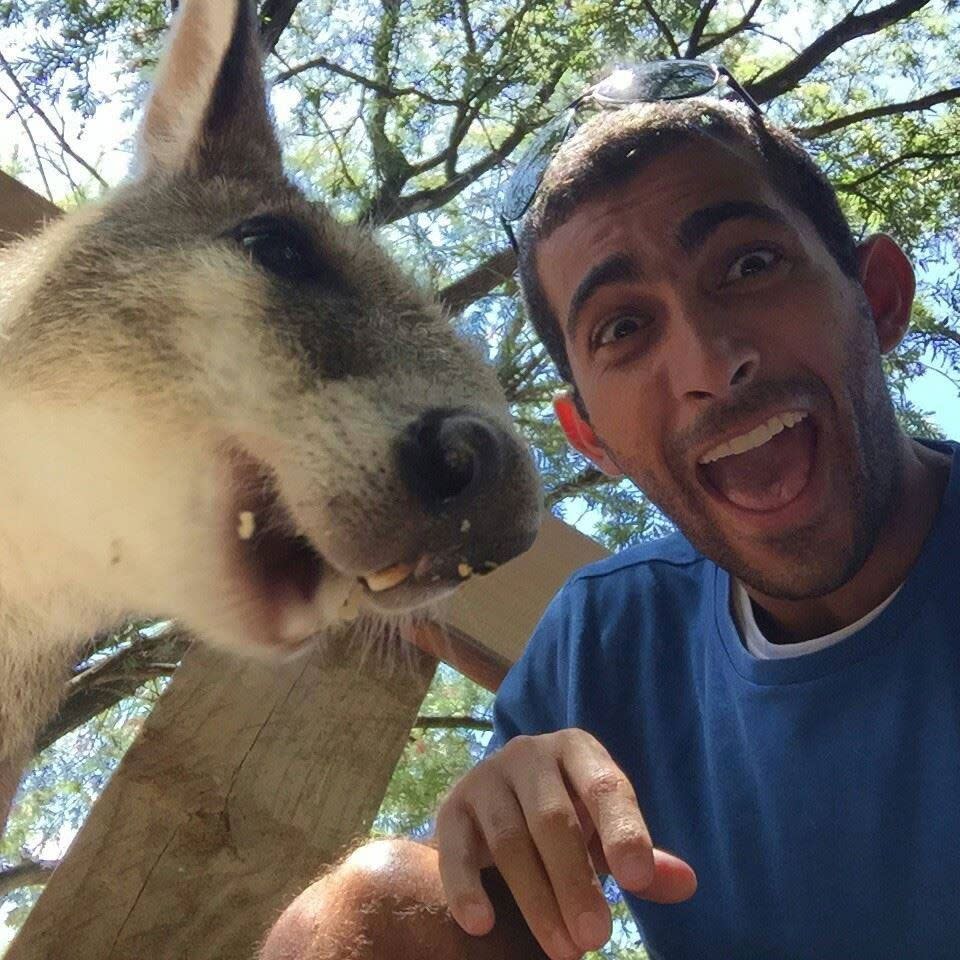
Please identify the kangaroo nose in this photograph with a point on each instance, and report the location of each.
(449, 454)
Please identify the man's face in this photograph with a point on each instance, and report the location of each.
(728, 367)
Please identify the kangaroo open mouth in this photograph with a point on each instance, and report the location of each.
(282, 574)
(280, 564)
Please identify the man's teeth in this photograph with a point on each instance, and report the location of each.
(755, 438)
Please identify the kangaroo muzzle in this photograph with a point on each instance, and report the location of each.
(473, 505)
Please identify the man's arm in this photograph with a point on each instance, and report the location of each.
(549, 834)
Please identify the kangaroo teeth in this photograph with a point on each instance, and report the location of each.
(465, 570)
(246, 524)
(388, 577)
(755, 438)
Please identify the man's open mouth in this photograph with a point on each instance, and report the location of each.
(766, 468)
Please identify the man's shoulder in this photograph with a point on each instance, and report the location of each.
(664, 557)
(627, 615)
(645, 580)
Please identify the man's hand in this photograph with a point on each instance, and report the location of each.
(551, 812)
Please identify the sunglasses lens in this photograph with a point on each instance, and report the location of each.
(529, 171)
(669, 80)
(664, 80)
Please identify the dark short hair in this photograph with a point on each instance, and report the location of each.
(613, 146)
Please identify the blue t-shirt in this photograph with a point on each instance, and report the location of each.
(817, 797)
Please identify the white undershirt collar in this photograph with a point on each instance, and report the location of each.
(763, 649)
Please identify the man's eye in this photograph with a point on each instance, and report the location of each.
(617, 329)
(748, 264)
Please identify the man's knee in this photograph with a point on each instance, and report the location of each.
(385, 902)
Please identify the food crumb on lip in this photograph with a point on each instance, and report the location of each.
(350, 608)
(246, 524)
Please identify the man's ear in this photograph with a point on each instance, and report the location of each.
(580, 434)
(887, 278)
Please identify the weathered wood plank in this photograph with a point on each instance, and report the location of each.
(245, 780)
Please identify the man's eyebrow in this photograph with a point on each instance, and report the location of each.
(701, 223)
(615, 269)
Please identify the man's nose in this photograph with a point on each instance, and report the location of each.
(711, 356)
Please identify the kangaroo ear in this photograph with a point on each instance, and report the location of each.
(207, 113)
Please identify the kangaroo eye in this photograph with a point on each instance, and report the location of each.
(281, 246)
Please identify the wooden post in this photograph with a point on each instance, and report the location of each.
(490, 618)
(244, 782)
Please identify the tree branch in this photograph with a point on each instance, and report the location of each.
(662, 27)
(27, 873)
(33, 143)
(845, 30)
(696, 32)
(389, 160)
(463, 10)
(108, 681)
(452, 723)
(942, 330)
(588, 479)
(851, 185)
(507, 352)
(507, 31)
(388, 206)
(837, 123)
(274, 17)
(384, 89)
(522, 378)
(478, 282)
(715, 39)
(35, 107)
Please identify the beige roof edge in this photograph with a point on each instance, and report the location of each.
(499, 611)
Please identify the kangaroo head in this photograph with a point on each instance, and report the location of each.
(219, 404)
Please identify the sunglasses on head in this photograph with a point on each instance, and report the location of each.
(640, 83)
